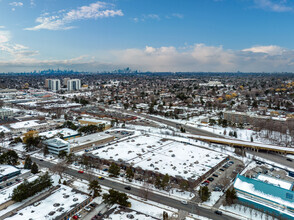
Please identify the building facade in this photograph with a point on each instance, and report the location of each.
(53, 84)
(73, 85)
(56, 145)
(5, 113)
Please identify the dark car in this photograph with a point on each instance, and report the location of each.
(210, 179)
(41, 160)
(218, 212)
(221, 169)
(128, 188)
(289, 159)
(94, 204)
(215, 175)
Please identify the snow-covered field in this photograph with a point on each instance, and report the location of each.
(151, 152)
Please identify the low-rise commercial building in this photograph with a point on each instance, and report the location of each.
(275, 196)
(89, 141)
(7, 172)
(56, 145)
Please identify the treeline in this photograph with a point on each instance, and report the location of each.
(28, 189)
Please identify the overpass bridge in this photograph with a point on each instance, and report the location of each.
(245, 144)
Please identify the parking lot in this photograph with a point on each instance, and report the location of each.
(223, 176)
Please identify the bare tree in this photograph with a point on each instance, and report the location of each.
(59, 168)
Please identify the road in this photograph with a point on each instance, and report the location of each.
(188, 128)
(191, 208)
(197, 131)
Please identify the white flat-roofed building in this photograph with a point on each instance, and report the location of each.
(65, 133)
(25, 126)
(56, 145)
(8, 171)
(89, 141)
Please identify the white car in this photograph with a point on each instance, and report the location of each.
(88, 209)
(184, 202)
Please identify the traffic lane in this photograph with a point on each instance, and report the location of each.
(138, 192)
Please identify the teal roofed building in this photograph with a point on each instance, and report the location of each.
(268, 196)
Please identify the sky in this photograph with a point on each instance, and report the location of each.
(147, 35)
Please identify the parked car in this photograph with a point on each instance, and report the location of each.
(205, 184)
(101, 177)
(221, 169)
(218, 212)
(94, 204)
(215, 175)
(87, 208)
(184, 202)
(128, 188)
(217, 189)
(289, 159)
(210, 179)
(80, 171)
(231, 162)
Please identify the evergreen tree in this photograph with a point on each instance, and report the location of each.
(114, 170)
(129, 174)
(165, 181)
(28, 163)
(114, 197)
(62, 154)
(204, 193)
(157, 183)
(95, 188)
(34, 168)
(231, 196)
(10, 157)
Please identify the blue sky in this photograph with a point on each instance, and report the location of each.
(148, 35)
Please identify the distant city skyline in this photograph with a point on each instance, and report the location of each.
(153, 35)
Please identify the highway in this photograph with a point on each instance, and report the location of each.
(191, 208)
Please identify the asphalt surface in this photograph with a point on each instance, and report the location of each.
(191, 208)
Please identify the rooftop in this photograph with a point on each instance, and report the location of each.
(7, 169)
(56, 142)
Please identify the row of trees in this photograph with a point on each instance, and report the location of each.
(28, 189)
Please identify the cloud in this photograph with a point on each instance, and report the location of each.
(177, 15)
(32, 3)
(14, 50)
(151, 16)
(201, 57)
(157, 17)
(271, 50)
(193, 58)
(273, 5)
(16, 4)
(63, 18)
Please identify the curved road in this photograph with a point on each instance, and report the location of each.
(191, 208)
